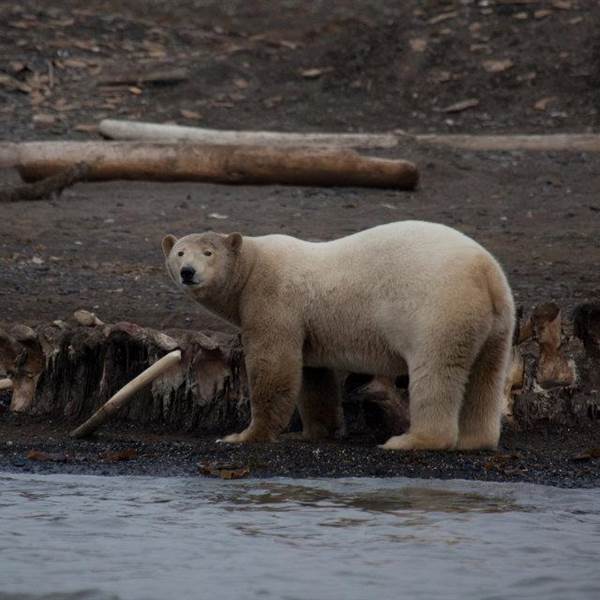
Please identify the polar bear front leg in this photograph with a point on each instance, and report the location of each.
(275, 376)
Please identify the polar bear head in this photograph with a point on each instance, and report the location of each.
(201, 263)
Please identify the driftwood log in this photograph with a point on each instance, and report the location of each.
(117, 129)
(555, 142)
(69, 369)
(213, 163)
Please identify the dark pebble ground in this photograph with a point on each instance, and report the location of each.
(560, 457)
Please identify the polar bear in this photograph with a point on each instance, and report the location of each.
(410, 296)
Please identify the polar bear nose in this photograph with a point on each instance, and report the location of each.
(187, 274)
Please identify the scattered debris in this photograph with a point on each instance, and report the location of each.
(418, 44)
(314, 73)
(40, 456)
(462, 105)
(589, 454)
(223, 470)
(158, 76)
(13, 84)
(497, 66)
(44, 119)
(441, 76)
(46, 188)
(190, 114)
(506, 464)
(543, 103)
(443, 17)
(114, 456)
(562, 4)
(86, 318)
(240, 83)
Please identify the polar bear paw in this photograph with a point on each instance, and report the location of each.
(245, 437)
(410, 441)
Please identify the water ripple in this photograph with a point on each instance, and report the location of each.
(140, 538)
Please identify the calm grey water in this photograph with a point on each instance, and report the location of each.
(100, 538)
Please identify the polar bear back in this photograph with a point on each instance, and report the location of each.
(406, 258)
(394, 284)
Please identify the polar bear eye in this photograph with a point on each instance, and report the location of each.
(180, 253)
(207, 253)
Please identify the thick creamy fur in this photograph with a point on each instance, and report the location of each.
(408, 296)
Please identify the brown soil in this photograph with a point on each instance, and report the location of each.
(383, 65)
(539, 213)
(98, 245)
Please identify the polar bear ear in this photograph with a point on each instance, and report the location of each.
(167, 244)
(234, 242)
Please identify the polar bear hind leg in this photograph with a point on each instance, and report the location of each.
(436, 393)
(480, 417)
(320, 404)
(438, 375)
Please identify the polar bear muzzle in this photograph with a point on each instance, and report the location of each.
(188, 275)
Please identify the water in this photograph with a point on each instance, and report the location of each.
(129, 538)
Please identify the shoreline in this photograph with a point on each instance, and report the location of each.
(559, 457)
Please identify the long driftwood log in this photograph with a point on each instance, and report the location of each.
(117, 129)
(555, 142)
(69, 369)
(218, 164)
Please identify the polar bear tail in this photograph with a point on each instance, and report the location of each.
(500, 293)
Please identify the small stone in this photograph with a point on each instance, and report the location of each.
(497, 66)
(543, 103)
(418, 44)
(562, 4)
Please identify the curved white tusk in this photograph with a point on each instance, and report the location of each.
(122, 397)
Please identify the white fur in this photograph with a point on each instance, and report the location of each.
(407, 296)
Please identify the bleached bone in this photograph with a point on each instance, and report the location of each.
(87, 318)
(124, 395)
